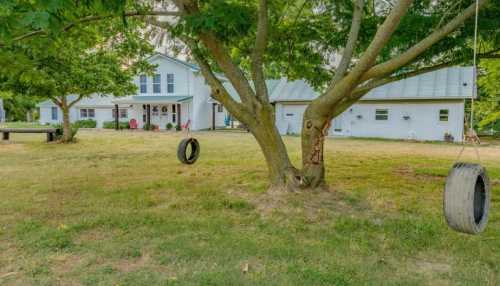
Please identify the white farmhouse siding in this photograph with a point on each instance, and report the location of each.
(2, 111)
(174, 84)
(405, 120)
(424, 107)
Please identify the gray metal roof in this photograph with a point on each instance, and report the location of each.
(446, 83)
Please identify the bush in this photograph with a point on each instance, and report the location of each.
(59, 132)
(111, 125)
(88, 123)
(178, 127)
(146, 127)
(169, 126)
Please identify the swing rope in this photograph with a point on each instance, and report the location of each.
(471, 133)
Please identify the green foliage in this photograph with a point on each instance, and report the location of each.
(147, 127)
(487, 108)
(169, 126)
(178, 127)
(60, 129)
(111, 125)
(87, 123)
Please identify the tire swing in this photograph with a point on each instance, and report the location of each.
(466, 199)
(188, 150)
(188, 144)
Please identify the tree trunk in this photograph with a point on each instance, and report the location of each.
(314, 130)
(67, 136)
(282, 174)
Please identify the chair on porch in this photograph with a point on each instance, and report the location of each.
(133, 123)
(186, 126)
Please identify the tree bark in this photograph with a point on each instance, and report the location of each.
(282, 174)
(314, 130)
(67, 136)
(65, 107)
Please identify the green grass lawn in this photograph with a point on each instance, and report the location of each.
(21, 125)
(117, 208)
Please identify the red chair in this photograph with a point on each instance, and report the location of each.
(133, 123)
(186, 126)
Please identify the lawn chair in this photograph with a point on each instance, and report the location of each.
(133, 123)
(187, 125)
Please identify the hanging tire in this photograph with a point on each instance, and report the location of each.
(193, 154)
(467, 198)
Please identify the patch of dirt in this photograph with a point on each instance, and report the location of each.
(63, 263)
(95, 234)
(314, 206)
(145, 261)
(436, 272)
(409, 172)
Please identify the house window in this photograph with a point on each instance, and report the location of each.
(381, 114)
(164, 110)
(54, 113)
(220, 108)
(174, 113)
(122, 111)
(443, 114)
(143, 83)
(156, 83)
(170, 83)
(87, 113)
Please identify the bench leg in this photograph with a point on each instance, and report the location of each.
(50, 137)
(5, 135)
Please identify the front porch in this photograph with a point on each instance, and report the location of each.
(156, 112)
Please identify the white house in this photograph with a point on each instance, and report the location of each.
(2, 111)
(175, 94)
(425, 107)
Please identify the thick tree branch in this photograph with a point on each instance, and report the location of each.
(408, 56)
(94, 19)
(323, 105)
(80, 97)
(221, 56)
(351, 42)
(259, 49)
(361, 91)
(219, 92)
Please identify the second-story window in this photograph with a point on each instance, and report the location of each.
(143, 83)
(170, 83)
(156, 83)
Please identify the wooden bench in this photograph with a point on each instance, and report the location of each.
(51, 132)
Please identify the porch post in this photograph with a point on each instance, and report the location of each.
(179, 118)
(117, 124)
(148, 115)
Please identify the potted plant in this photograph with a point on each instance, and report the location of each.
(169, 126)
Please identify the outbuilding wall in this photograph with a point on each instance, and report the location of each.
(414, 120)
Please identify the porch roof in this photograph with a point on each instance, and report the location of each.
(153, 99)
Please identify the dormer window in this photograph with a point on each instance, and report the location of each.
(170, 83)
(156, 83)
(143, 83)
